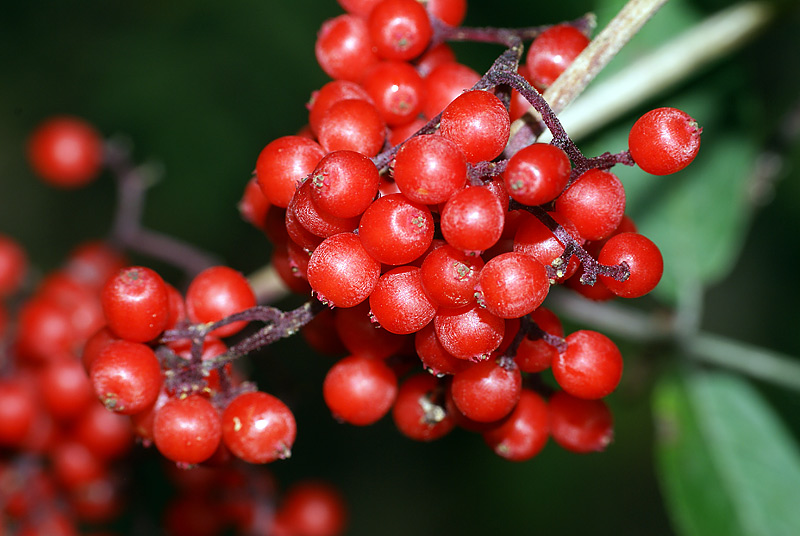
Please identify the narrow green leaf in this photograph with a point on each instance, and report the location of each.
(726, 463)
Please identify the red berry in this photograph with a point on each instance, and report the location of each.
(359, 390)
(641, 256)
(258, 428)
(394, 230)
(419, 411)
(136, 304)
(352, 125)
(511, 285)
(363, 337)
(66, 152)
(13, 266)
(524, 434)
(330, 94)
(478, 123)
(429, 169)
(487, 391)
(595, 203)
(216, 293)
(472, 219)
(399, 303)
(126, 377)
(537, 174)
(534, 354)
(399, 29)
(591, 366)
(664, 141)
(449, 276)
(283, 164)
(450, 12)
(469, 332)
(344, 183)
(580, 425)
(312, 509)
(341, 272)
(187, 430)
(18, 407)
(397, 91)
(444, 83)
(552, 52)
(344, 49)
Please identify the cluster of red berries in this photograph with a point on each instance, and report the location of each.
(398, 207)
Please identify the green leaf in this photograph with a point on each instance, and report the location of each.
(726, 463)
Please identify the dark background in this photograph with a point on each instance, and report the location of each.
(201, 87)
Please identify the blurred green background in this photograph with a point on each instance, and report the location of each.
(201, 87)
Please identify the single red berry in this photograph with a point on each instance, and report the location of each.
(283, 164)
(359, 390)
(430, 169)
(487, 391)
(328, 95)
(469, 331)
(65, 389)
(524, 434)
(537, 174)
(472, 219)
(66, 152)
(216, 293)
(352, 125)
(126, 377)
(664, 141)
(399, 303)
(136, 304)
(552, 52)
(643, 259)
(344, 183)
(511, 285)
(344, 49)
(394, 230)
(478, 122)
(433, 355)
(13, 265)
(580, 425)
(591, 366)
(449, 276)
(18, 406)
(419, 411)
(258, 428)
(399, 29)
(595, 203)
(92, 263)
(254, 205)
(303, 215)
(107, 435)
(187, 430)
(397, 91)
(450, 12)
(341, 272)
(444, 83)
(312, 509)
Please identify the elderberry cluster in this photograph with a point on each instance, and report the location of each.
(408, 207)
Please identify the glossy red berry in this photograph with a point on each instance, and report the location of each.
(18, 406)
(359, 390)
(445, 83)
(524, 433)
(591, 366)
(312, 509)
(283, 164)
(344, 183)
(478, 123)
(534, 353)
(341, 272)
(216, 293)
(595, 203)
(511, 285)
(136, 304)
(397, 91)
(344, 49)
(580, 425)
(435, 359)
(487, 391)
(664, 141)
(187, 430)
(399, 29)
(419, 411)
(399, 303)
(451, 12)
(394, 230)
(449, 276)
(328, 95)
(126, 377)
(552, 52)
(469, 331)
(537, 174)
(258, 428)
(352, 125)
(430, 169)
(472, 219)
(643, 259)
(66, 152)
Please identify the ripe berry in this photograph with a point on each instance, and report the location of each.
(472, 219)
(341, 272)
(435, 359)
(126, 377)
(444, 83)
(394, 230)
(344, 183)
(18, 406)
(591, 366)
(352, 125)
(429, 169)
(524, 434)
(478, 123)
(218, 292)
(643, 259)
(419, 411)
(361, 336)
(664, 141)
(487, 391)
(66, 152)
(13, 266)
(537, 174)
(359, 390)
(328, 95)
(469, 332)
(283, 164)
(258, 428)
(344, 49)
(534, 354)
(187, 430)
(552, 52)
(449, 276)
(312, 509)
(136, 304)
(595, 203)
(512, 285)
(397, 91)
(399, 302)
(580, 425)
(450, 12)
(399, 29)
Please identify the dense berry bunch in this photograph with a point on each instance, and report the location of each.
(412, 218)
